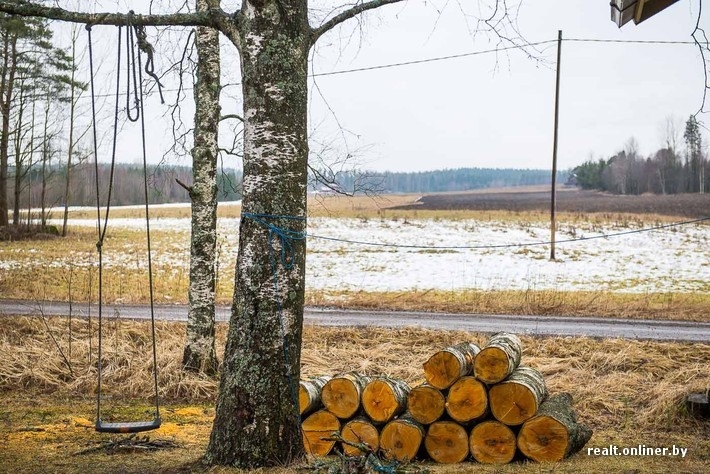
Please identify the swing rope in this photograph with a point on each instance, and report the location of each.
(132, 65)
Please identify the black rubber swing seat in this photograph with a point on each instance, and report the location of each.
(128, 427)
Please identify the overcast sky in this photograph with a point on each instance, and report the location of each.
(491, 110)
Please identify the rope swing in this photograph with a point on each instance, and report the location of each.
(134, 74)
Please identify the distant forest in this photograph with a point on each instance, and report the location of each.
(44, 188)
(460, 179)
(667, 171)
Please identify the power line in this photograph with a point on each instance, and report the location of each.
(602, 40)
(463, 55)
(429, 60)
(503, 246)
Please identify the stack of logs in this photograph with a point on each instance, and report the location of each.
(477, 402)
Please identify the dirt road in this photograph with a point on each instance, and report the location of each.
(531, 325)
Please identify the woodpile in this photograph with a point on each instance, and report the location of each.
(476, 403)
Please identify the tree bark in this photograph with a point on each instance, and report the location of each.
(199, 354)
(9, 68)
(256, 421)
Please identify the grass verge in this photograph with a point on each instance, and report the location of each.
(630, 392)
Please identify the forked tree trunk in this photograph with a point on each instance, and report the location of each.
(256, 422)
(199, 353)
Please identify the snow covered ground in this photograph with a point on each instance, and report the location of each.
(675, 259)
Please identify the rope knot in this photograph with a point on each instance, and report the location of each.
(287, 237)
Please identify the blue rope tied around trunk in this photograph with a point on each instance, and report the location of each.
(287, 238)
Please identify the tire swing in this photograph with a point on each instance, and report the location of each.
(134, 73)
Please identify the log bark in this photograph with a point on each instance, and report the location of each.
(553, 434)
(446, 442)
(402, 438)
(384, 398)
(315, 432)
(360, 431)
(467, 400)
(426, 403)
(498, 358)
(447, 366)
(309, 394)
(342, 394)
(492, 442)
(518, 397)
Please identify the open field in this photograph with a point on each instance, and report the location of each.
(569, 200)
(629, 392)
(363, 254)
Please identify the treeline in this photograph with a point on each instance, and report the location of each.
(460, 179)
(667, 171)
(45, 188)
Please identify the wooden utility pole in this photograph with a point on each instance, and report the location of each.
(554, 149)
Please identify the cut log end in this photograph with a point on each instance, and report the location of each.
(309, 394)
(316, 429)
(518, 397)
(384, 398)
(426, 404)
(554, 433)
(401, 439)
(446, 442)
(447, 366)
(341, 395)
(492, 442)
(492, 365)
(498, 358)
(467, 400)
(360, 432)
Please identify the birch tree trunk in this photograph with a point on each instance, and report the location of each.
(199, 353)
(256, 422)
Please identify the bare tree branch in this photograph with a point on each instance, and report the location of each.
(346, 15)
(210, 18)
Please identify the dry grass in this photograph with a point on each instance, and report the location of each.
(660, 306)
(630, 392)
